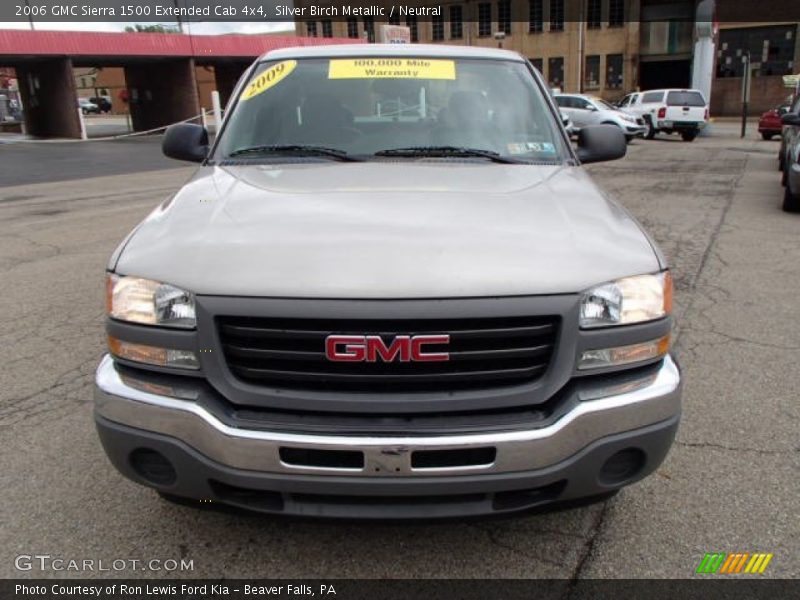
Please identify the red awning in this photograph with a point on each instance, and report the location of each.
(22, 43)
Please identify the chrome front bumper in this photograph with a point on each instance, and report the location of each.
(598, 412)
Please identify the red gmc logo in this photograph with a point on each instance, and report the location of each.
(405, 348)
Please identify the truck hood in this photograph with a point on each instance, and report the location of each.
(387, 230)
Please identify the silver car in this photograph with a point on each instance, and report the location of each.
(589, 110)
(433, 312)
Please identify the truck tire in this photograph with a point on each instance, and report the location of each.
(688, 136)
(650, 133)
(791, 203)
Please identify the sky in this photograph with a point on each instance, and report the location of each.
(208, 28)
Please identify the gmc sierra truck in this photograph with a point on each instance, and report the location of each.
(389, 291)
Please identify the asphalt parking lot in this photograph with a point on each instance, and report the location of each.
(729, 484)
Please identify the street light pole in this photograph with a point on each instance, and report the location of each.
(581, 25)
(745, 90)
(178, 16)
(30, 14)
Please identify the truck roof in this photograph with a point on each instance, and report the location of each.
(411, 50)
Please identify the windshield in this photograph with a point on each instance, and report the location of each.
(685, 99)
(603, 104)
(365, 107)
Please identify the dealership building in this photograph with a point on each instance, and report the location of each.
(609, 47)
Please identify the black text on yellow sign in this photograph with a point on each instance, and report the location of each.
(391, 68)
(269, 78)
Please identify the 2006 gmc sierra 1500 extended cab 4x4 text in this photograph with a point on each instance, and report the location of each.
(389, 291)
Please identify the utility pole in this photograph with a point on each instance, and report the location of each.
(745, 90)
(30, 14)
(178, 17)
(468, 22)
(581, 26)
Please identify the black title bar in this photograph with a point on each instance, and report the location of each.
(167, 11)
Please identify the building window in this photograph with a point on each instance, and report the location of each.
(614, 71)
(555, 72)
(411, 23)
(593, 14)
(437, 28)
(456, 23)
(394, 19)
(591, 76)
(504, 16)
(538, 64)
(535, 16)
(369, 29)
(311, 28)
(484, 19)
(771, 50)
(556, 15)
(616, 13)
(327, 28)
(352, 27)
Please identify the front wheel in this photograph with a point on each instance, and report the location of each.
(688, 136)
(766, 136)
(650, 132)
(791, 203)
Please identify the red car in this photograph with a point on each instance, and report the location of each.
(770, 122)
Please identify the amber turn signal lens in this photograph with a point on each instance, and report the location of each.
(153, 355)
(624, 355)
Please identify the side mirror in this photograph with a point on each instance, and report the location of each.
(791, 119)
(591, 108)
(186, 141)
(598, 143)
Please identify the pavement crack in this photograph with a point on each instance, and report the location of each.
(492, 535)
(733, 448)
(588, 551)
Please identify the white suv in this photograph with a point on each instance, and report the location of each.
(669, 111)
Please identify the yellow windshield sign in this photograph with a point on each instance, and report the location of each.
(269, 78)
(391, 68)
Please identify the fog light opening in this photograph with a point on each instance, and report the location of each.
(622, 466)
(153, 466)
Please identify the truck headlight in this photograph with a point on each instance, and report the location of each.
(626, 301)
(149, 302)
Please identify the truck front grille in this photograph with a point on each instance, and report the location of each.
(483, 353)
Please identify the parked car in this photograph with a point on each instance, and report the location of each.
(626, 102)
(87, 106)
(568, 124)
(785, 134)
(769, 124)
(103, 103)
(589, 110)
(343, 314)
(684, 112)
(791, 157)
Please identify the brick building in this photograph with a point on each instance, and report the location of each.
(549, 32)
(602, 47)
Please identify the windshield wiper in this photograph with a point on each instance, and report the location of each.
(446, 151)
(296, 150)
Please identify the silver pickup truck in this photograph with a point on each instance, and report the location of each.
(389, 291)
